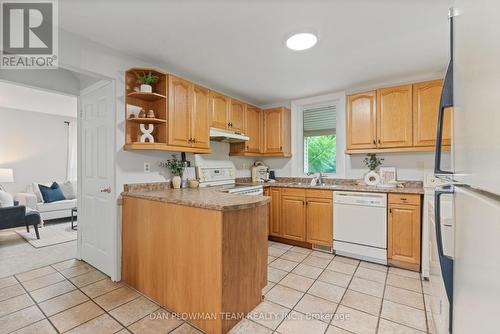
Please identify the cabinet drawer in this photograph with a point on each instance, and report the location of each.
(294, 192)
(319, 193)
(404, 199)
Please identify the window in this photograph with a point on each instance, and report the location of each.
(320, 139)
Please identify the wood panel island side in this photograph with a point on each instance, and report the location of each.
(200, 253)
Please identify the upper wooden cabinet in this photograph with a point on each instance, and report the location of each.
(200, 127)
(361, 121)
(237, 116)
(394, 117)
(252, 147)
(426, 96)
(219, 110)
(277, 132)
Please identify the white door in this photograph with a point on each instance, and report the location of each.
(97, 203)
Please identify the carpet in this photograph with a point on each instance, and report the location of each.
(49, 235)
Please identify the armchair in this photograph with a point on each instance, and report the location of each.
(16, 216)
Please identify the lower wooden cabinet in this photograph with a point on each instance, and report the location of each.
(404, 231)
(275, 211)
(293, 217)
(319, 216)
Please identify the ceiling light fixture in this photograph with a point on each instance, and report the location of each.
(301, 41)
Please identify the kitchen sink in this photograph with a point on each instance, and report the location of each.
(297, 183)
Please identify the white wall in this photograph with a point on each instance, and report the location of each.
(34, 145)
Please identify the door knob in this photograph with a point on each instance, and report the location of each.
(106, 190)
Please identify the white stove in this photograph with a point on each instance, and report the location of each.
(224, 178)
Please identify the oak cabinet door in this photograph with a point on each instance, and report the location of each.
(200, 118)
(275, 212)
(426, 96)
(179, 111)
(237, 116)
(394, 117)
(361, 121)
(293, 220)
(404, 233)
(254, 127)
(319, 218)
(219, 110)
(273, 130)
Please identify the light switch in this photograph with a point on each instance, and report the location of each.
(147, 167)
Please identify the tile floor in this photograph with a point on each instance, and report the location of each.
(308, 292)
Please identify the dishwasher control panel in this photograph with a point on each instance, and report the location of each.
(360, 198)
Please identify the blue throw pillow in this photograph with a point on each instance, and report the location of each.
(52, 193)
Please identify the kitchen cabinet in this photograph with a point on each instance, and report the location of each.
(237, 115)
(252, 147)
(277, 132)
(219, 110)
(361, 121)
(319, 217)
(394, 117)
(404, 231)
(426, 96)
(275, 212)
(293, 216)
(201, 118)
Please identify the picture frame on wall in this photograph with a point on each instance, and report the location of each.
(387, 175)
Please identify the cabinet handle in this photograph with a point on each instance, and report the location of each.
(281, 148)
(390, 210)
(190, 140)
(403, 198)
(379, 141)
(374, 141)
(194, 140)
(247, 147)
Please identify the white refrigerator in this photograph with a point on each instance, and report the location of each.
(471, 275)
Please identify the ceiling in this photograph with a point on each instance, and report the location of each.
(238, 47)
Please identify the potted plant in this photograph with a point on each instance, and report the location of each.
(372, 162)
(176, 167)
(147, 80)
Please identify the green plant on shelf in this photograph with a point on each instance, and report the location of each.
(147, 78)
(372, 162)
(175, 166)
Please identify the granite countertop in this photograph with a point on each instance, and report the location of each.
(198, 198)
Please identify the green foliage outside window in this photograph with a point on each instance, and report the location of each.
(321, 154)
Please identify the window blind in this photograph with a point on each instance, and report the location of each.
(320, 121)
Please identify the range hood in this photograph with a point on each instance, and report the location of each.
(227, 136)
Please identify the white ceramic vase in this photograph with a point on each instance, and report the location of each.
(176, 182)
(372, 178)
(146, 88)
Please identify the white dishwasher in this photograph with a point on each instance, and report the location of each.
(360, 225)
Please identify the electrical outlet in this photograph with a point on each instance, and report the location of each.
(147, 167)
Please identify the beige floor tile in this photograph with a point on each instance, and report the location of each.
(15, 304)
(11, 291)
(134, 310)
(342, 267)
(307, 271)
(298, 323)
(336, 330)
(282, 264)
(322, 255)
(268, 287)
(333, 277)
(100, 287)
(160, 321)
(389, 327)
(268, 314)
(76, 316)
(7, 281)
(282, 246)
(20, 319)
(355, 321)
(404, 282)
(275, 275)
(41, 282)
(276, 252)
(52, 291)
(284, 296)
(185, 328)
(365, 286)
(77, 270)
(297, 282)
(373, 266)
(67, 264)
(87, 278)
(327, 291)
(347, 260)
(315, 261)
(405, 273)
(103, 324)
(124, 331)
(246, 326)
(293, 256)
(404, 315)
(40, 327)
(317, 308)
(370, 274)
(116, 298)
(271, 259)
(301, 250)
(32, 274)
(405, 297)
(362, 302)
(62, 302)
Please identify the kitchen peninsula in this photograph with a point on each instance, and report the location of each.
(199, 252)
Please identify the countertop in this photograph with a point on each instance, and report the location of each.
(199, 198)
